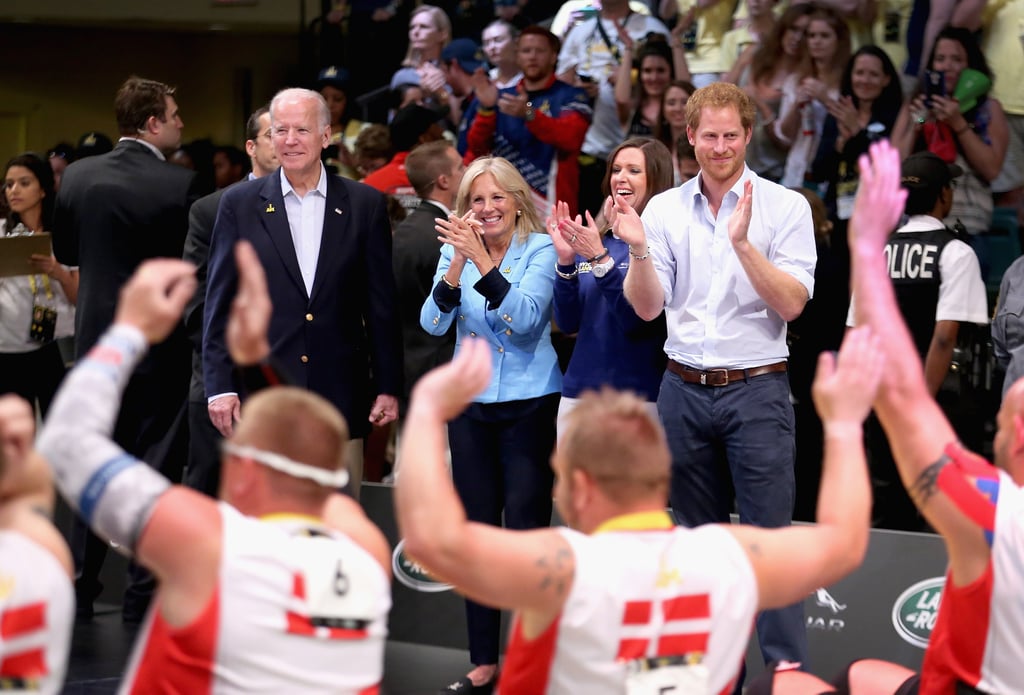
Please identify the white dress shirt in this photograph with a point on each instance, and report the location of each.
(306, 221)
(715, 317)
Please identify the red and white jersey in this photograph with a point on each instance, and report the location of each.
(298, 608)
(652, 607)
(37, 613)
(978, 638)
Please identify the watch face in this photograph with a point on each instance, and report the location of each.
(600, 270)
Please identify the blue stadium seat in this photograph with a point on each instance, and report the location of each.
(1004, 245)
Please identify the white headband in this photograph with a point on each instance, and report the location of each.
(335, 479)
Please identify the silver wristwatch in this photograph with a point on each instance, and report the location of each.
(601, 269)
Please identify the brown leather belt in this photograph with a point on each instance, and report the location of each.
(721, 377)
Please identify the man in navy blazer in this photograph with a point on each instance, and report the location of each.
(325, 244)
(203, 470)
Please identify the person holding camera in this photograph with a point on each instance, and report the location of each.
(956, 119)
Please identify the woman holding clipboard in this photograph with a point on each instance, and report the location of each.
(38, 307)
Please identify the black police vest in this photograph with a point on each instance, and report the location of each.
(913, 260)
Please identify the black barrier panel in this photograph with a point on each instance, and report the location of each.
(436, 618)
(884, 610)
(851, 619)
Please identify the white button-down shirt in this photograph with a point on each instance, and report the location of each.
(306, 221)
(715, 317)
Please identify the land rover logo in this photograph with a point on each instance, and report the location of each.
(915, 611)
(412, 574)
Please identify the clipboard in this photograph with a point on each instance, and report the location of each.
(16, 253)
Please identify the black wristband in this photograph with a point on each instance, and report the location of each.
(599, 257)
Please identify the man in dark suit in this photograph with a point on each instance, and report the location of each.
(203, 471)
(325, 243)
(435, 170)
(113, 212)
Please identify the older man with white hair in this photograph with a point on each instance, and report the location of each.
(325, 243)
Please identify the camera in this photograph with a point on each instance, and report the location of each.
(934, 85)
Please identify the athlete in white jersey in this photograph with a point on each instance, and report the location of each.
(977, 645)
(37, 601)
(281, 587)
(636, 605)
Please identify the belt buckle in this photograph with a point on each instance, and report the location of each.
(723, 381)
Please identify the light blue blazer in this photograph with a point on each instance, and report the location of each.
(523, 361)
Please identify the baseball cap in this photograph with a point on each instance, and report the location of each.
(409, 124)
(93, 143)
(927, 170)
(333, 76)
(924, 175)
(466, 52)
(405, 76)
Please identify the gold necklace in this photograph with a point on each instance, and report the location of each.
(496, 261)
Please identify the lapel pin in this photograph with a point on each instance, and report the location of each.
(270, 207)
(337, 211)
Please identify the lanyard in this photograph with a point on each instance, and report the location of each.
(46, 286)
(612, 46)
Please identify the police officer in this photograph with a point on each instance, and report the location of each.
(938, 285)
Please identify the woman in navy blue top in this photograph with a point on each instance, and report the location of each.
(614, 347)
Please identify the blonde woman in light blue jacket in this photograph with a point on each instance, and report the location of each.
(495, 280)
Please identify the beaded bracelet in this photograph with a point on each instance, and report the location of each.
(640, 258)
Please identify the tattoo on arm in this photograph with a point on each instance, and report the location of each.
(557, 570)
(927, 484)
(755, 549)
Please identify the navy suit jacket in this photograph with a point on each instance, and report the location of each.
(113, 212)
(201, 218)
(416, 250)
(342, 340)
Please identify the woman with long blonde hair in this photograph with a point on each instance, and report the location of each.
(494, 281)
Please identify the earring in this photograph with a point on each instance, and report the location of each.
(519, 213)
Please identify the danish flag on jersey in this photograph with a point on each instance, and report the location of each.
(670, 627)
(22, 634)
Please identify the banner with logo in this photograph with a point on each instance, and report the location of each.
(424, 610)
(884, 610)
